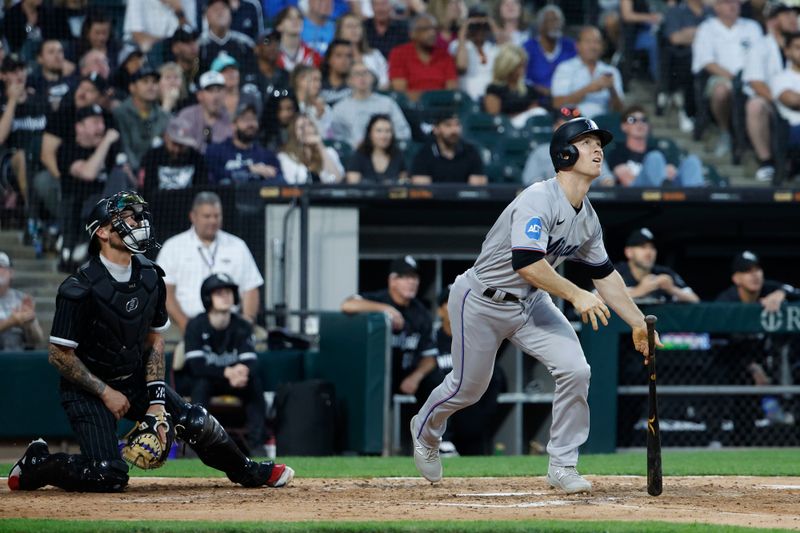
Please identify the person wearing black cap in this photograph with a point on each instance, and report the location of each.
(221, 357)
(647, 281)
(749, 285)
(247, 17)
(139, 118)
(186, 53)
(271, 78)
(129, 60)
(413, 348)
(447, 157)
(241, 158)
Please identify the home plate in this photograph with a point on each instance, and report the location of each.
(783, 487)
(499, 494)
(552, 503)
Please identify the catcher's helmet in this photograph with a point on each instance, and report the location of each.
(108, 210)
(214, 282)
(562, 153)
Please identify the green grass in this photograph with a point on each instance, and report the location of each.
(521, 526)
(773, 462)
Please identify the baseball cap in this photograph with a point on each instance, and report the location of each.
(773, 9)
(145, 72)
(639, 237)
(178, 130)
(444, 114)
(11, 63)
(268, 35)
(210, 79)
(744, 262)
(404, 266)
(185, 34)
(244, 107)
(97, 80)
(5, 260)
(223, 61)
(128, 50)
(93, 110)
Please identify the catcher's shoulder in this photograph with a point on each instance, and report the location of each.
(75, 287)
(144, 262)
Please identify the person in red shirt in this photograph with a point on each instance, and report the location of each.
(289, 24)
(419, 65)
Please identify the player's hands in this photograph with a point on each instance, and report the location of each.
(410, 384)
(398, 322)
(115, 401)
(772, 301)
(14, 91)
(591, 308)
(162, 432)
(639, 334)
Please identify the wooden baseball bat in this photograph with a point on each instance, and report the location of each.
(654, 478)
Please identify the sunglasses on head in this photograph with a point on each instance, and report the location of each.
(633, 119)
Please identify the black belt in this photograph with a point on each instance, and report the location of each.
(508, 297)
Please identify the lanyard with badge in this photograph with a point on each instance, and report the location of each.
(209, 262)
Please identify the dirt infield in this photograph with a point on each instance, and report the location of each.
(746, 501)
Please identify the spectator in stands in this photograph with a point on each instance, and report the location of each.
(635, 163)
(548, 49)
(419, 65)
(786, 89)
(130, 60)
(96, 35)
(209, 120)
(235, 92)
(305, 158)
(508, 94)
(510, 22)
(539, 165)
(648, 282)
(53, 79)
(383, 31)
(350, 116)
(279, 114)
(756, 10)
(28, 22)
(139, 119)
(447, 157)
(221, 357)
(294, 51)
(449, 16)
(474, 53)
(219, 37)
(350, 29)
(271, 77)
(176, 164)
(680, 25)
(307, 86)
(749, 285)
(247, 17)
(149, 21)
(335, 69)
(171, 89)
(86, 162)
(186, 52)
(318, 27)
(240, 158)
(19, 328)
(94, 61)
(413, 349)
(377, 159)
(764, 65)
(587, 82)
(639, 24)
(721, 48)
(190, 257)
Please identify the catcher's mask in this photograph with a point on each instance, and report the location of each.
(113, 210)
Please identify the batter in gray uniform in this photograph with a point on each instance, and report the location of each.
(507, 295)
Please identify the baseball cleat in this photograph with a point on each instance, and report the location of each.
(36, 451)
(281, 476)
(567, 479)
(425, 458)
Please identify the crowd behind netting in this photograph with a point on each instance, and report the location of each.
(154, 95)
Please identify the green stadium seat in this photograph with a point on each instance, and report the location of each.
(409, 150)
(672, 152)
(433, 102)
(513, 150)
(713, 177)
(540, 125)
(486, 129)
(610, 122)
(401, 99)
(499, 172)
(342, 148)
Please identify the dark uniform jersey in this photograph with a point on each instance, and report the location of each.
(210, 350)
(657, 295)
(414, 341)
(731, 294)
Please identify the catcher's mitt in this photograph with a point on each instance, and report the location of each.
(143, 447)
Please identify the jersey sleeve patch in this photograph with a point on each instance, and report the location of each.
(533, 228)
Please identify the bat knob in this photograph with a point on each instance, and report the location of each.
(651, 319)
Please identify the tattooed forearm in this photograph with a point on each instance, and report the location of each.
(154, 366)
(74, 370)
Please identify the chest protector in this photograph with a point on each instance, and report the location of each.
(121, 317)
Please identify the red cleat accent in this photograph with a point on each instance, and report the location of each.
(281, 476)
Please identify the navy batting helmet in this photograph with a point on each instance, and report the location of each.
(214, 282)
(562, 153)
(109, 210)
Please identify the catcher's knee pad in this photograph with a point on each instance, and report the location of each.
(196, 426)
(79, 473)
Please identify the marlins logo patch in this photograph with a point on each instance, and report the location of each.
(533, 229)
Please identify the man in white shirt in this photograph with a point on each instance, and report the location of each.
(150, 21)
(585, 81)
(204, 249)
(721, 47)
(763, 64)
(786, 88)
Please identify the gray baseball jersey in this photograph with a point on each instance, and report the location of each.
(541, 219)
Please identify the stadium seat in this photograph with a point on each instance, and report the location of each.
(713, 177)
(486, 129)
(432, 103)
(342, 148)
(513, 151)
(409, 150)
(672, 152)
(612, 122)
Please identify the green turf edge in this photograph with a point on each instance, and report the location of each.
(762, 462)
(526, 526)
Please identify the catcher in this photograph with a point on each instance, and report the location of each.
(106, 343)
